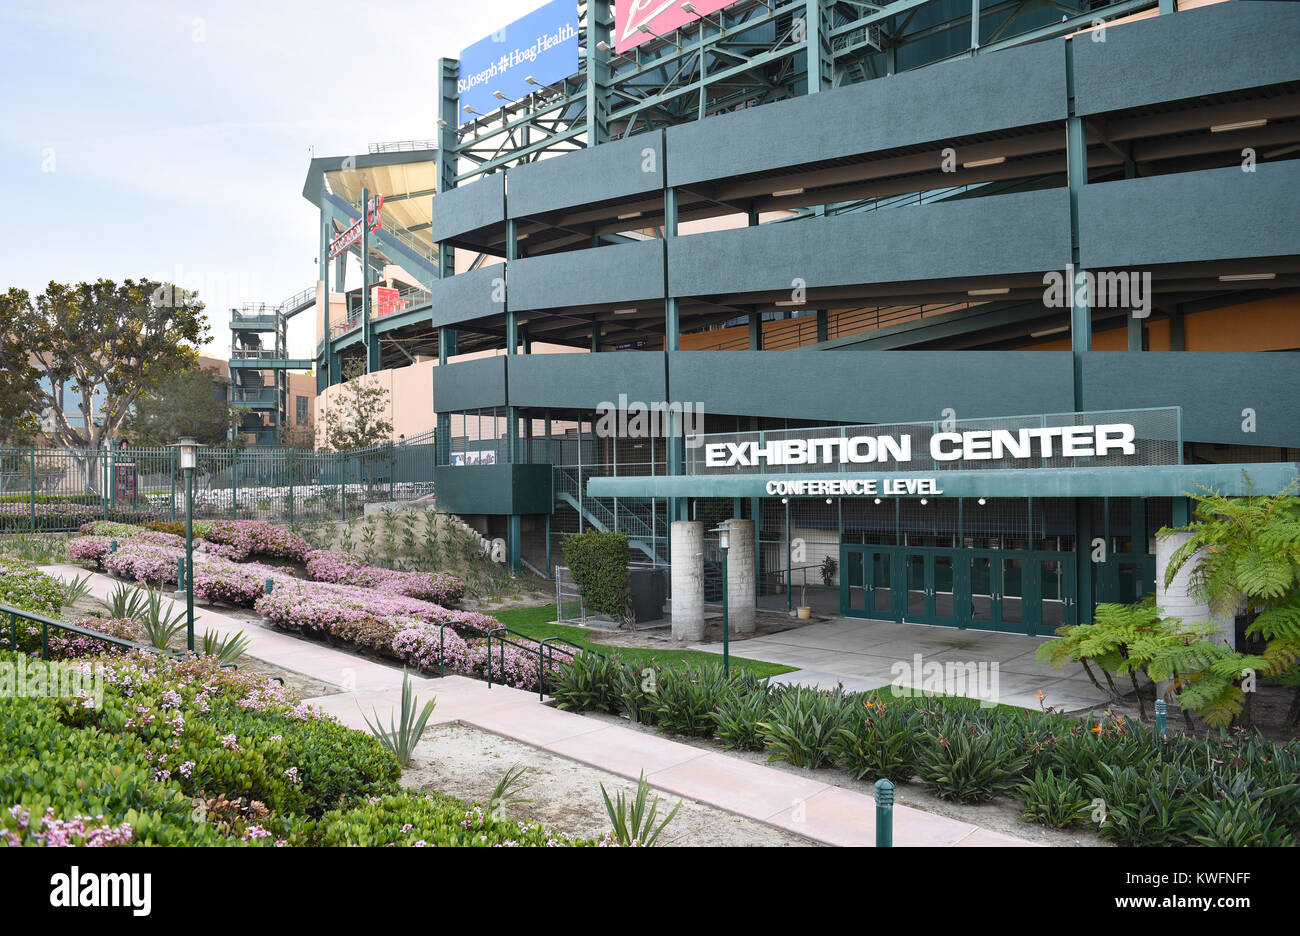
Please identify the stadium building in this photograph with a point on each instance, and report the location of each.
(965, 296)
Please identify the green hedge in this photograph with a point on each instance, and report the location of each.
(598, 562)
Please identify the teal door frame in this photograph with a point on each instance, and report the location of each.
(979, 589)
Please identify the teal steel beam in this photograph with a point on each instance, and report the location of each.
(600, 29)
(445, 161)
(1076, 158)
(820, 59)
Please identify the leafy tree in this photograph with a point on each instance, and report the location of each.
(1246, 560)
(111, 344)
(18, 378)
(598, 562)
(356, 416)
(191, 404)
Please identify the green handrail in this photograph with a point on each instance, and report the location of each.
(46, 623)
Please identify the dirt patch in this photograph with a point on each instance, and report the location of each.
(999, 815)
(468, 762)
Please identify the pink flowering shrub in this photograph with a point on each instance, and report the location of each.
(234, 583)
(421, 645)
(220, 550)
(90, 550)
(259, 538)
(65, 645)
(149, 563)
(341, 568)
(49, 832)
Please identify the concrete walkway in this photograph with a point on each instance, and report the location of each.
(864, 654)
(798, 803)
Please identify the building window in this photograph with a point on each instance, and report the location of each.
(302, 417)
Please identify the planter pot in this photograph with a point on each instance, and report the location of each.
(804, 612)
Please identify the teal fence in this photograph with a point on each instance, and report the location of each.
(60, 489)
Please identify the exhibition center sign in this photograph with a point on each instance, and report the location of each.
(1131, 438)
(542, 46)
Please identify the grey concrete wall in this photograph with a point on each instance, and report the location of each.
(468, 296)
(611, 170)
(1016, 233)
(621, 273)
(1212, 50)
(1214, 214)
(469, 207)
(560, 380)
(989, 92)
(469, 385)
(873, 386)
(1214, 388)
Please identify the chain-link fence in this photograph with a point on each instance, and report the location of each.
(60, 489)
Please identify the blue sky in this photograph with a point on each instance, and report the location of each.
(171, 140)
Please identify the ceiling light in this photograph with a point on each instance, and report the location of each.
(630, 214)
(784, 192)
(1246, 277)
(1050, 331)
(976, 163)
(998, 291)
(982, 502)
(877, 500)
(625, 311)
(1238, 125)
(924, 502)
(791, 302)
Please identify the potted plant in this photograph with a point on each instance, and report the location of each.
(829, 568)
(803, 611)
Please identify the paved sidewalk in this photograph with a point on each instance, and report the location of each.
(863, 655)
(798, 803)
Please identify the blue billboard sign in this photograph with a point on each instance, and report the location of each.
(542, 46)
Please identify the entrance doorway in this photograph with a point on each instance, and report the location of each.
(1015, 592)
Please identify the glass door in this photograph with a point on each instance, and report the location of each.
(869, 589)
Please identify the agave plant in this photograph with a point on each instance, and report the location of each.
(634, 823)
(74, 590)
(507, 792)
(161, 624)
(403, 732)
(126, 601)
(225, 649)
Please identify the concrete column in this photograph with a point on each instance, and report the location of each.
(742, 581)
(1177, 600)
(687, 542)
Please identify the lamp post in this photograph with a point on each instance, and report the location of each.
(724, 542)
(189, 452)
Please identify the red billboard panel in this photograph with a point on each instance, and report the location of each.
(659, 16)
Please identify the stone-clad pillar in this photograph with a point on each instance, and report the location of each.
(1177, 600)
(742, 578)
(687, 545)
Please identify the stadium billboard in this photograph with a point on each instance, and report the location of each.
(659, 16)
(542, 45)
